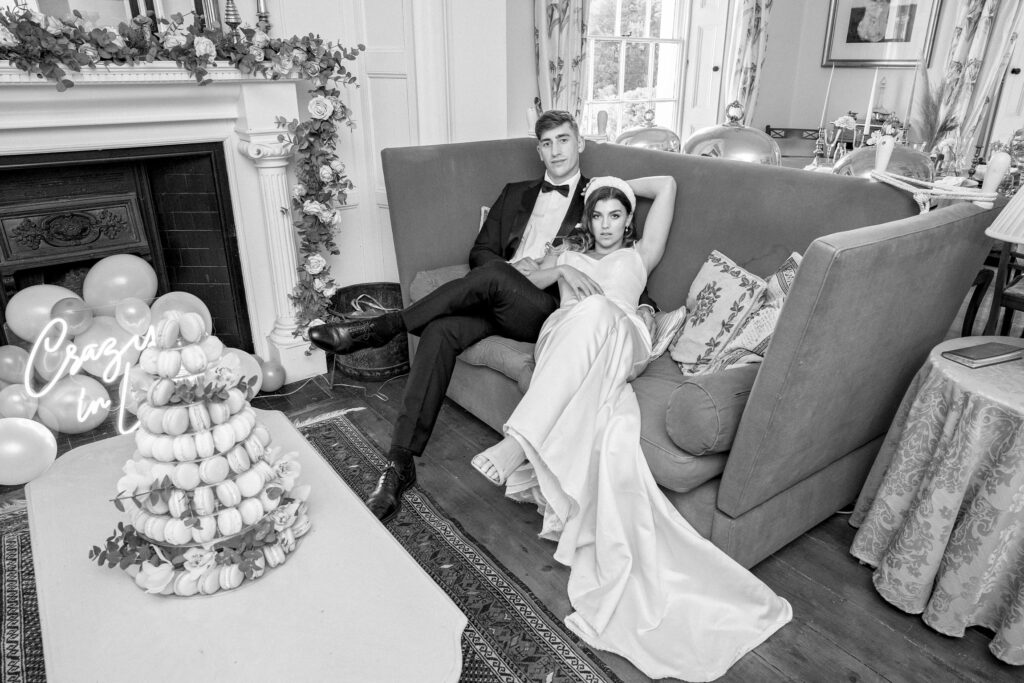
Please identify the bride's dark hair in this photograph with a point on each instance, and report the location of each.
(581, 238)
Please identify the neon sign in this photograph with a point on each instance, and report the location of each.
(74, 359)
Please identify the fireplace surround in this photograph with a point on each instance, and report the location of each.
(152, 111)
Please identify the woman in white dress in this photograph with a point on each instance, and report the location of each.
(643, 582)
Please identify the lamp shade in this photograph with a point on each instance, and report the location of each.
(1009, 224)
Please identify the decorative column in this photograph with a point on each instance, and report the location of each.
(271, 158)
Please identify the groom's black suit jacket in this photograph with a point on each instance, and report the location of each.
(503, 228)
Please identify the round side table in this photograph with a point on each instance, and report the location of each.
(941, 515)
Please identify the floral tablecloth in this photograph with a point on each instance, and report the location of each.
(941, 515)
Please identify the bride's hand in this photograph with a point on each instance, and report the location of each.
(580, 283)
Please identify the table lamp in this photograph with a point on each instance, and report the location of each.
(1009, 224)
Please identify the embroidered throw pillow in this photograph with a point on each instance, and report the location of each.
(719, 301)
(750, 343)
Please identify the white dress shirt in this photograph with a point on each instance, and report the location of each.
(546, 219)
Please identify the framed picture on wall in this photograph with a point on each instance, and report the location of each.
(871, 33)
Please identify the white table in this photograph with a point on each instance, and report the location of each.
(349, 604)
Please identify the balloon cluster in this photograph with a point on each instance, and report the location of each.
(105, 328)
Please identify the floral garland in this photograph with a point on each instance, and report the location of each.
(50, 47)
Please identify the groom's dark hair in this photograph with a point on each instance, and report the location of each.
(553, 118)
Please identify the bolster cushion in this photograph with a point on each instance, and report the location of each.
(704, 412)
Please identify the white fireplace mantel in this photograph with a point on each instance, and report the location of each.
(161, 104)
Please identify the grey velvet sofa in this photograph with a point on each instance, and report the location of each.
(878, 287)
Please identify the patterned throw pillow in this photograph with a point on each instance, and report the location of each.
(750, 343)
(719, 301)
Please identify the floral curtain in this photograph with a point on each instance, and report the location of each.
(560, 34)
(983, 40)
(751, 40)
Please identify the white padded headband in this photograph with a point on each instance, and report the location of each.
(611, 181)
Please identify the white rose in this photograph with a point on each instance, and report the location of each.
(115, 39)
(311, 207)
(260, 39)
(338, 166)
(329, 217)
(7, 38)
(37, 17)
(298, 191)
(257, 52)
(174, 39)
(329, 292)
(198, 560)
(204, 47)
(282, 68)
(326, 174)
(89, 51)
(315, 263)
(54, 26)
(318, 284)
(154, 578)
(312, 69)
(299, 56)
(320, 108)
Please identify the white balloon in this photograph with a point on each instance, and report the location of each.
(27, 449)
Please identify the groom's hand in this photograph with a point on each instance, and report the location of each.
(580, 283)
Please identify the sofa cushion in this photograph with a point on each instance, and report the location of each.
(672, 468)
(514, 359)
(426, 281)
(719, 299)
(704, 412)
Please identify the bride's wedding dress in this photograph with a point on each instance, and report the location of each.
(643, 582)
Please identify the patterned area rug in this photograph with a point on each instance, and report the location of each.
(510, 636)
(21, 641)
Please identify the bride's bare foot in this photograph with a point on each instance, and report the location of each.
(498, 461)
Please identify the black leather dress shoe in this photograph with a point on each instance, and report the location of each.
(353, 336)
(386, 499)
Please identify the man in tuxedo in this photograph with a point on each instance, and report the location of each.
(495, 297)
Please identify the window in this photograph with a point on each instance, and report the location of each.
(635, 53)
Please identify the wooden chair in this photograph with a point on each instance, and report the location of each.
(1008, 295)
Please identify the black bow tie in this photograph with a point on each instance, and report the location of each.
(548, 187)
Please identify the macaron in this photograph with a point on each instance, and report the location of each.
(219, 412)
(186, 476)
(229, 522)
(300, 526)
(286, 538)
(262, 434)
(157, 507)
(250, 483)
(223, 437)
(155, 527)
(274, 554)
(236, 400)
(177, 533)
(184, 448)
(144, 440)
(163, 448)
(254, 448)
(228, 494)
(214, 470)
(160, 470)
(230, 576)
(209, 582)
(265, 469)
(240, 426)
(177, 503)
(238, 459)
(199, 417)
(205, 529)
(203, 501)
(204, 444)
(251, 510)
(186, 584)
(139, 518)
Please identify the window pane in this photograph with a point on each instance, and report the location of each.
(665, 115)
(666, 70)
(656, 24)
(633, 115)
(634, 18)
(606, 70)
(602, 18)
(636, 84)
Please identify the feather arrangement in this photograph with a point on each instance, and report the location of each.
(931, 123)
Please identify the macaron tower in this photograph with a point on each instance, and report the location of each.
(212, 504)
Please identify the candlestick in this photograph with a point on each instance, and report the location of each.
(828, 91)
(261, 6)
(871, 106)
